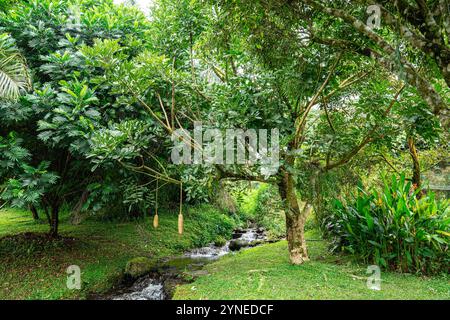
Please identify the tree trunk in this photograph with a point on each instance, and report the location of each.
(54, 221)
(416, 179)
(34, 212)
(77, 217)
(47, 215)
(295, 220)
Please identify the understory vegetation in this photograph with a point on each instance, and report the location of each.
(33, 266)
(392, 228)
(261, 204)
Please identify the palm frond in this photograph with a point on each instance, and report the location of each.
(14, 77)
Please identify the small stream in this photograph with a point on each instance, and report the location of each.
(159, 284)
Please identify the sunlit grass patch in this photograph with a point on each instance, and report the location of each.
(265, 273)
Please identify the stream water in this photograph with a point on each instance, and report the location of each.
(159, 284)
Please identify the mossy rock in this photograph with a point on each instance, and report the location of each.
(220, 241)
(237, 244)
(138, 266)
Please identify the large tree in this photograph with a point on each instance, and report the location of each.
(256, 68)
(46, 134)
(328, 68)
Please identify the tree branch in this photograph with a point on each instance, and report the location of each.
(369, 138)
(425, 89)
(312, 102)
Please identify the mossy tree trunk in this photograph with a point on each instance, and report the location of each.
(295, 220)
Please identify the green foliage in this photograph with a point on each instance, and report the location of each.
(209, 218)
(6, 4)
(123, 141)
(269, 211)
(199, 183)
(393, 229)
(72, 119)
(29, 186)
(136, 197)
(220, 241)
(56, 122)
(176, 26)
(12, 154)
(262, 205)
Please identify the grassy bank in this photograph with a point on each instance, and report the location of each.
(265, 273)
(33, 268)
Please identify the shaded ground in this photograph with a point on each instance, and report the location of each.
(31, 267)
(265, 273)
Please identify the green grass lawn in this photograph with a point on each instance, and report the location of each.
(33, 270)
(30, 269)
(265, 273)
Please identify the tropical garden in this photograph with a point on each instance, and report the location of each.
(96, 96)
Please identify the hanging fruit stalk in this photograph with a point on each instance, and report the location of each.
(155, 218)
(180, 215)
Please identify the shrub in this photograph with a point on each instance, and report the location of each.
(210, 223)
(393, 228)
(263, 206)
